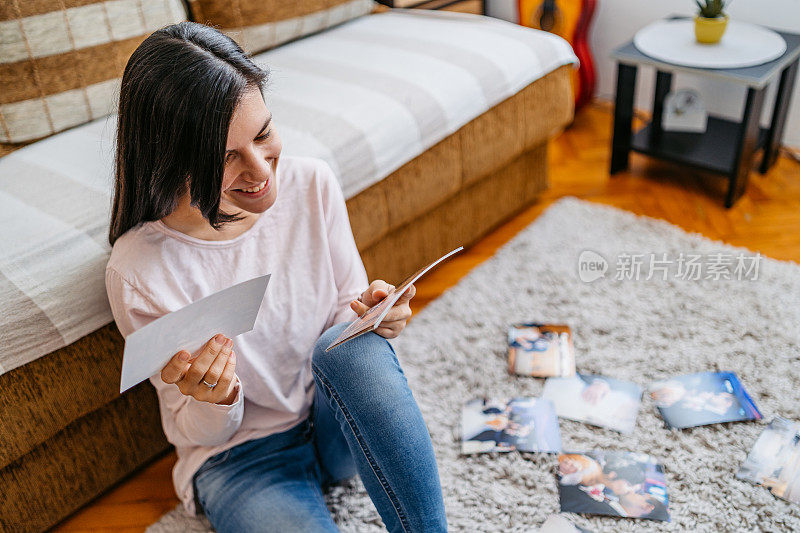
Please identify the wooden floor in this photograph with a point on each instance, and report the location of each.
(766, 219)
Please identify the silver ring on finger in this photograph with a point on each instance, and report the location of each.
(209, 385)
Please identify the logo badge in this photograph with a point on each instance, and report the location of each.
(591, 266)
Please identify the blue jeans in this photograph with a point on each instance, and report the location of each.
(364, 420)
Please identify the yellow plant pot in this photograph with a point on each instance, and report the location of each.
(709, 31)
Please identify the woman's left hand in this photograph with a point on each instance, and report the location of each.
(398, 315)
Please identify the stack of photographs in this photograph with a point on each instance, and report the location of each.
(701, 399)
(503, 425)
(596, 400)
(774, 460)
(614, 484)
(540, 350)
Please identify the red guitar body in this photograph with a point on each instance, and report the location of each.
(580, 43)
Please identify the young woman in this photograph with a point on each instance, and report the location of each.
(203, 201)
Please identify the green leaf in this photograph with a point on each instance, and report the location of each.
(711, 8)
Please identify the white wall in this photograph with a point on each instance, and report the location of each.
(502, 9)
(616, 21)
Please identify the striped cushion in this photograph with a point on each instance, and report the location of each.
(367, 96)
(61, 60)
(259, 25)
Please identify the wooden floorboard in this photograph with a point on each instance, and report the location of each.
(766, 219)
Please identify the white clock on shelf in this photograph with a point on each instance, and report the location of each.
(684, 111)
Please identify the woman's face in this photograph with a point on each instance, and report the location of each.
(251, 157)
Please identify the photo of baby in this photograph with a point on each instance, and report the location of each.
(613, 483)
(503, 425)
(540, 350)
(701, 399)
(774, 460)
(596, 400)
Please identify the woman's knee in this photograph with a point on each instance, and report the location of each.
(327, 338)
(354, 356)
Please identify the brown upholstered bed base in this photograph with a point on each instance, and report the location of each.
(67, 435)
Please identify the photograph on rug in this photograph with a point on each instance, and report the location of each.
(596, 400)
(623, 484)
(540, 350)
(503, 425)
(702, 399)
(774, 460)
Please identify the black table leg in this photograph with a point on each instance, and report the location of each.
(663, 86)
(747, 144)
(623, 117)
(779, 112)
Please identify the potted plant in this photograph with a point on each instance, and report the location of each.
(711, 21)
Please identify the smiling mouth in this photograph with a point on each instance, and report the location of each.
(253, 190)
(254, 193)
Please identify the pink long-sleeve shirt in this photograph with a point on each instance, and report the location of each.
(304, 240)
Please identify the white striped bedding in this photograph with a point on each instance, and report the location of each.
(367, 96)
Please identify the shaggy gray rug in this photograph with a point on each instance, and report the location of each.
(642, 331)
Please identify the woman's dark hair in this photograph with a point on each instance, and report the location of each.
(178, 94)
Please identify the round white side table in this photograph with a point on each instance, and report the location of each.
(743, 45)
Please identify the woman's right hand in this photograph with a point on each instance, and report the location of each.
(216, 363)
